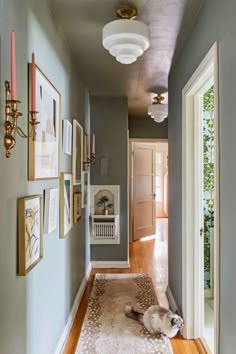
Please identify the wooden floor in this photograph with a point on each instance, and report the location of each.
(144, 258)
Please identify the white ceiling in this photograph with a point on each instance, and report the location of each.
(170, 22)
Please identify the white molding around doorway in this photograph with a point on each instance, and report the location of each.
(207, 70)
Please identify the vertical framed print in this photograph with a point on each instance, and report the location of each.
(85, 188)
(66, 204)
(51, 209)
(44, 152)
(77, 152)
(85, 151)
(77, 206)
(30, 233)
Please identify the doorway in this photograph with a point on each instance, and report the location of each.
(148, 207)
(148, 186)
(200, 194)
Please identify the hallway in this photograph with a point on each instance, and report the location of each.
(146, 256)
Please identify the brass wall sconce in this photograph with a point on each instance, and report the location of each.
(90, 161)
(11, 122)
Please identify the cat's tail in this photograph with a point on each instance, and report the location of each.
(137, 316)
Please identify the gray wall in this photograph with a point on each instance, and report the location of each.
(34, 309)
(109, 119)
(216, 23)
(147, 128)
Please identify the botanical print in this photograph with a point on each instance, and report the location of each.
(85, 188)
(77, 162)
(44, 151)
(32, 231)
(66, 204)
(51, 210)
(208, 161)
(77, 206)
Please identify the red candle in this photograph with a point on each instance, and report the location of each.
(33, 84)
(13, 67)
(93, 144)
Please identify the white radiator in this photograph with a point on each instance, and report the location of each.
(104, 230)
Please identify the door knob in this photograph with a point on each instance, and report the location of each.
(201, 231)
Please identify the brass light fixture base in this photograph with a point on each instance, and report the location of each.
(127, 12)
(158, 99)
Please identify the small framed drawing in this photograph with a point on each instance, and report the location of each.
(30, 232)
(77, 206)
(66, 204)
(44, 153)
(77, 152)
(51, 208)
(67, 137)
(85, 188)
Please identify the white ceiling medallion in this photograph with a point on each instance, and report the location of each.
(126, 39)
(158, 110)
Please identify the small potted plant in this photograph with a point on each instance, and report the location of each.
(103, 203)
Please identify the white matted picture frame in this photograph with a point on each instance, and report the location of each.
(30, 233)
(67, 137)
(44, 150)
(51, 209)
(77, 152)
(85, 188)
(66, 204)
(77, 197)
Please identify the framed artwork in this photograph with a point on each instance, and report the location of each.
(67, 137)
(44, 149)
(51, 209)
(85, 150)
(30, 233)
(85, 188)
(66, 204)
(77, 206)
(77, 154)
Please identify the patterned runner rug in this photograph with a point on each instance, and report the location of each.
(106, 329)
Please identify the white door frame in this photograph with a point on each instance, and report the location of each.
(190, 225)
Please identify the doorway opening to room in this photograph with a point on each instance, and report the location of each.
(200, 190)
(148, 206)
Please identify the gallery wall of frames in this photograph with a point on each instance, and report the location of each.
(40, 214)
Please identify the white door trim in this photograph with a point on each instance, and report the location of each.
(208, 68)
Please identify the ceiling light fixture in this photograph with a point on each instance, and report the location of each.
(126, 39)
(158, 110)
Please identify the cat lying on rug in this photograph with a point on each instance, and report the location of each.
(157, 320)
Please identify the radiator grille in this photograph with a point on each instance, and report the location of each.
(106, 230)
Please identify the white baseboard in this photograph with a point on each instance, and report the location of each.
(70, 321)
(172, 303)
(110, 264)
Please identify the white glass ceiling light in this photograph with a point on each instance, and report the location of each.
(157, 110)
(126, 39)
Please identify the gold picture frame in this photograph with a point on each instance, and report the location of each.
(44, 150)
(30, 233)
(77, 198)
(66, 204)
(85, 150)
(77, 152)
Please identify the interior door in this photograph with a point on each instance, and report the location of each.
(144, 205)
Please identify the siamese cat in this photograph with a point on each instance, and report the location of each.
(157, 320)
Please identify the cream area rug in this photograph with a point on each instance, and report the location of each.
(106, 329)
